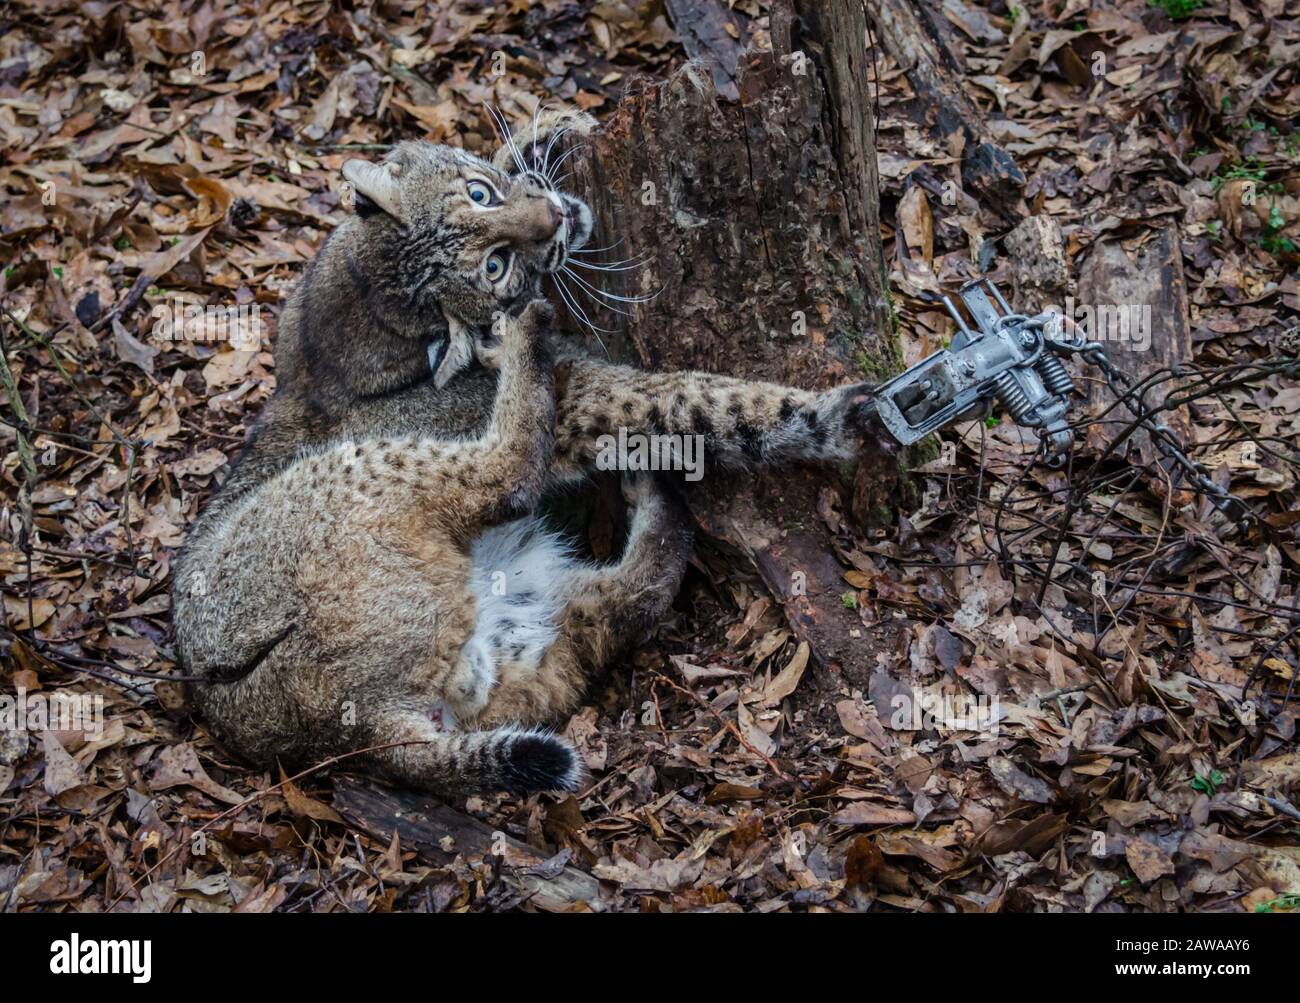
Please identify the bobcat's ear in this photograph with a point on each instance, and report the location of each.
(541, 135)
(447, 358)
(377, 182)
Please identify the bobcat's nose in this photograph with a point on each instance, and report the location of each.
(554, 215)
(545, 217)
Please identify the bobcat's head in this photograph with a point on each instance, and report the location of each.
(468, 237)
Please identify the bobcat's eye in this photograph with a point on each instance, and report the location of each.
(496, 265)
(480, 194)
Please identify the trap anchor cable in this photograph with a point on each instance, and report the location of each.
(1017, 361)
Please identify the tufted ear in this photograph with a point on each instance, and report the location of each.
(377, 182)
(541, 134)
(450, 356)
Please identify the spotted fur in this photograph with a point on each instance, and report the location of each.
(349, 563)
(364, 566)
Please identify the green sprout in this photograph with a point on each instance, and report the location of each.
(1177, 9)
(1249, 170)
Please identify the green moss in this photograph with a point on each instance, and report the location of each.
(921, 453)
(876, 354)
(1177, 9)
(880, 514)
(894, 323)
(1248, 170)
(878, 368)
(888, 361)
(1272, 240)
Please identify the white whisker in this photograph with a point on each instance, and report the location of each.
(566, 155)
(590, 294)
(546, 156)
(594, 250)
(620, 267)
(497, 123)
(578, 312)
(506, 138)
(612, 297)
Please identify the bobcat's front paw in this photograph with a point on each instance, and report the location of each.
(488, 349)
(862, 418)
(520, 335)
(533, 321)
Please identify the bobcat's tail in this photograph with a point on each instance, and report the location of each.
(516, 760)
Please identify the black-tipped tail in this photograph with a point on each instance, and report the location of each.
(533, 761)
(454, 764)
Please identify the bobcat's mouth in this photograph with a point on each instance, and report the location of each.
(573, 234)
(577, 223)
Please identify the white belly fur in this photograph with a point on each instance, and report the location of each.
(519, 577)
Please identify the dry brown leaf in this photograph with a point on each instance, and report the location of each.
(305, 805)
(787, 681)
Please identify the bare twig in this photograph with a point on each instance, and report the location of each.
(252, 799)
(725, 723)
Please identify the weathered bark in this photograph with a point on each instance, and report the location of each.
(1149, 286)
(913, 34)
(757, 220)
(1155, 332)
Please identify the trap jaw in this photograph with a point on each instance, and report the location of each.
(1008, 357)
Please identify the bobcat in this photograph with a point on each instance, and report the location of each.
(373, 571)
(365, 558)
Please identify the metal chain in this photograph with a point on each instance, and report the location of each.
(1165, 440)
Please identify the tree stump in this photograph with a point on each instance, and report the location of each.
(757, 219)
(758, 223)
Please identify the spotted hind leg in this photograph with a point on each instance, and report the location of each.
(608, 609)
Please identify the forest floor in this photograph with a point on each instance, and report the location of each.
(1080, 757)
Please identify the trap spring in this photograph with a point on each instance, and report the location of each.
(1008, 357)
(1016, 360)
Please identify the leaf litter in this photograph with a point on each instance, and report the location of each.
(992, 761)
